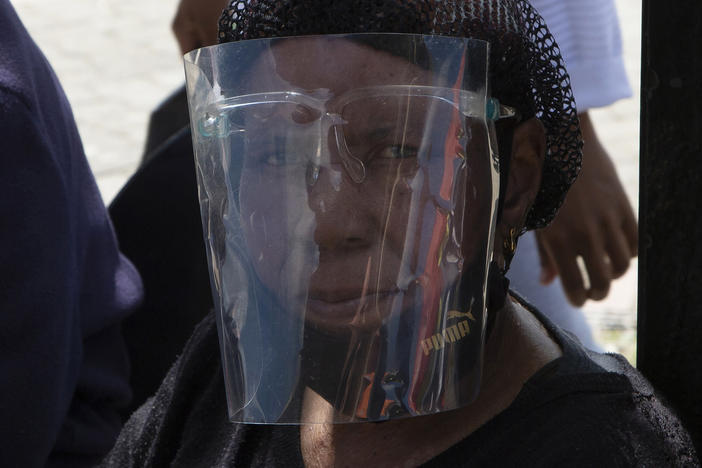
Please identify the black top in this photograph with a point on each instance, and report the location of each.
(582, 409)
(157, 221)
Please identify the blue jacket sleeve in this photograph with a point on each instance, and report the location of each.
(40, 337)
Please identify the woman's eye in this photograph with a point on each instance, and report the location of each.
(281, 159)
(265, 159)
(275, 159)
(398, 152)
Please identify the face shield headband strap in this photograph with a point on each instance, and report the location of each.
(498, 284)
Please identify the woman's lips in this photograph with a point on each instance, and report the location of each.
(337, 311)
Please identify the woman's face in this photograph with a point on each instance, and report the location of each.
(347, 243)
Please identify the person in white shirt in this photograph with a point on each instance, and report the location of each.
(596, 221)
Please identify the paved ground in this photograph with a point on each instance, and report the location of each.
(117, 59)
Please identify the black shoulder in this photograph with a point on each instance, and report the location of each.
(613, 429)
(594, 419)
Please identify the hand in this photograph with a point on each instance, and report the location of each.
(596, 222)
(195, 24)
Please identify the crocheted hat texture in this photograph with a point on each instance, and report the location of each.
(526, 67)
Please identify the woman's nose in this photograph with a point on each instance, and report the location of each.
(345, 213)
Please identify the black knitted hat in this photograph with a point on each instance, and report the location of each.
(526, 67)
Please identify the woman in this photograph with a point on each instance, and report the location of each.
(362, 197)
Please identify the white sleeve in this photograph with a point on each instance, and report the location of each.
(587, 32)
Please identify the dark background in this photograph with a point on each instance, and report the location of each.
(670, 246)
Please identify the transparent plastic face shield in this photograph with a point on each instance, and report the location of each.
(348, 193)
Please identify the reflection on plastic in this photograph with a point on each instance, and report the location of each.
(348, 197)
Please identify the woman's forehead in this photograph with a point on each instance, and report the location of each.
(333, 64)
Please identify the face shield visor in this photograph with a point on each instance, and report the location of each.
(348, 189)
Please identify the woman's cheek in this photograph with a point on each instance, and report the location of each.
(262, 220)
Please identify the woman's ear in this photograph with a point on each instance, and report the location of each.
(524, 180)
(528, 151)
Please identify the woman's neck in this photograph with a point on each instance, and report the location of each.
(518, 347)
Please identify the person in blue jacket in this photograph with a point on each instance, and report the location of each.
(64, 286)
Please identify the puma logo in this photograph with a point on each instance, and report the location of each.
(450, 334)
